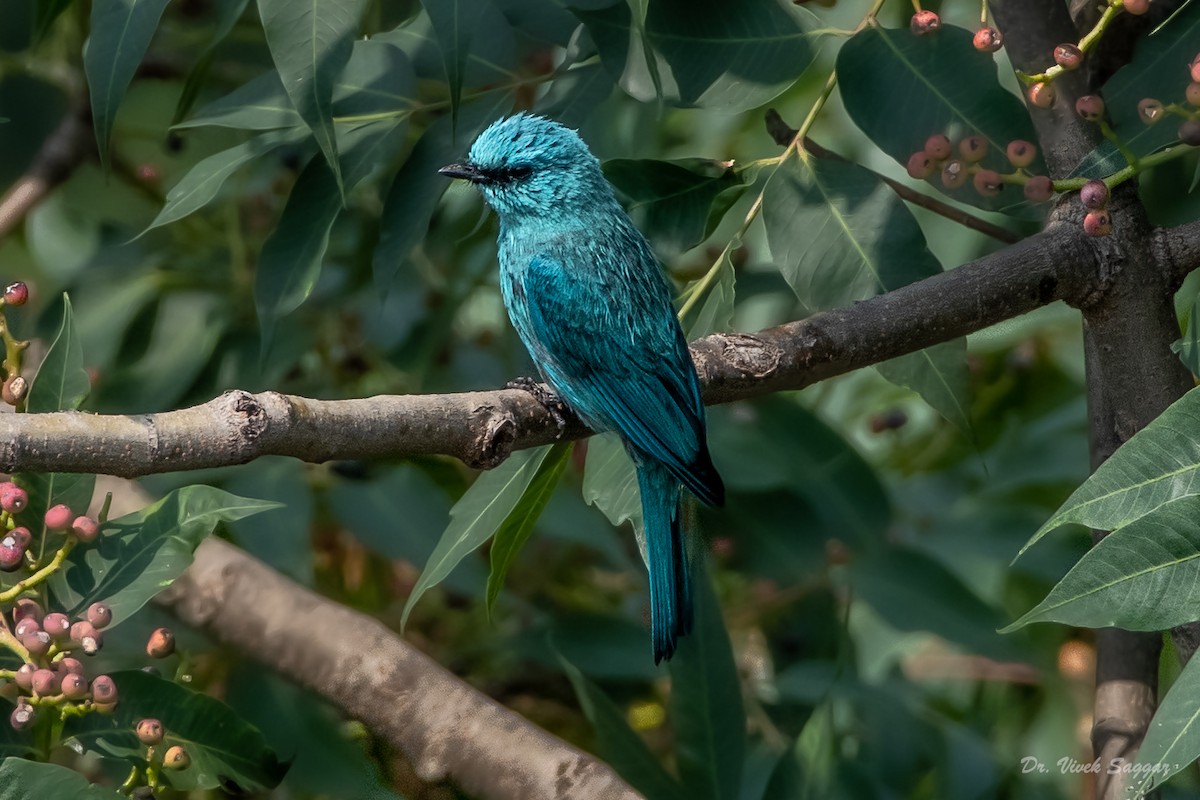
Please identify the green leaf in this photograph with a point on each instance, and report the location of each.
(731, 56)
(517, 527)
(914, 592)
(228, 12)
(1173, 739)
(22, 780)
(933, 84)
(291, 258)
(1143, 577)
(140, 554)
(417, 187)
(200, 185)
(454, 23)
(121, 31)
(610, 484)
(715, 313)
(61, 381)
(481, 510)
(1159, 464)
(839, 234)
(258, 104)
(575, 93)
(225, 750)
(45, 12)
(706, 701)
(675, 203)
(310, 43)
(619, 745)
(1158, 69)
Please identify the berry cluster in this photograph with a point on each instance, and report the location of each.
(15, 387)
(15, 544)
(1152, 111)
(151, 733)
(51, 676)
(1094, 196)
(938, 156)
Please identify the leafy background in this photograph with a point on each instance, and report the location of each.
(266, 214)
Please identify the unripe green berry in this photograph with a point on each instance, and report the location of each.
(920, 165)
(987, 182)
(1097, 223)
(1150, 110)
(938, 147)
(1090, 107)
(58, 518)
(1094, 194)
(973, 149)
(1068, 56)
(925, 22)
(100, 615)
(74, 686)
(1137, 7)
(954, 174)
(161, 643)
(1020, 153)
(1041, 95)
(176, 758)
(1189, 132)
(85, 528)
(987, 40)
(104, 690)
(1039, 189)
(149, 731)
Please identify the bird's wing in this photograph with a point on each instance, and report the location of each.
(616, 357)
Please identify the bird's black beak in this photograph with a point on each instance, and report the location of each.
(467, 171)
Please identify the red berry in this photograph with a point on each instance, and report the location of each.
(1041, 95)
(161, 643)
(1039, 189)
(104, 690)
(1020, 153)
(938, 147)
(58, 625)
(973, 149)
(85, 529)
(15, 294)
(14, 389)
(987, 182)
(1068, 56)
(924, 22)
(987, 40)
(1094, 194)
(149, 731)
(1137, 7)
(1090, 107)
(1097, 223)
(45, 682)
(23, 715)
(58, 518)
(954, 174)
(176, 758)
(920, 165)
(21, 537)
(1150, 110)
(13, 498)
(99, 614)
(12, 558)
(1189, 132)
(74, 686)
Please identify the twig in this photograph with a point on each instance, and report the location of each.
(65, 149)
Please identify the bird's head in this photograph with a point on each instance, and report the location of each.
(527, 165)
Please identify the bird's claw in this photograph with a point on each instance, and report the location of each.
(545, 397)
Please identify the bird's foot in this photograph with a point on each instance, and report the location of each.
(545, 397)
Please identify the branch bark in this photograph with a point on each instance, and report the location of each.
(447, 729)
(63, 151)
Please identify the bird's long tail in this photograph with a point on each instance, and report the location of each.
(670, 585)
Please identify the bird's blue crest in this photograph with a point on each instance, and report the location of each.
(539, 165)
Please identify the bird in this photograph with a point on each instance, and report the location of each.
(590, 302)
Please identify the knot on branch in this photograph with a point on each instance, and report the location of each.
(497, 432)
(249, 414)
(749, 355)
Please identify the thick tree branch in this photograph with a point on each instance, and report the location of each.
(63, 151)
(447, 729)
(482, 428)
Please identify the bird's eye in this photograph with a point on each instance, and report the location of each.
(517, 173)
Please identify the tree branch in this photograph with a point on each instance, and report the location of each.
(445, 728)
(483, 428)
(62, 152)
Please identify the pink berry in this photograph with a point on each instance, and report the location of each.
(85, 529)
(16, 294)
(100, 615)
(1194, 68)
(938, 147)
(12, 557)
(1097, 223)
(954, 174)
(59, 517)
(27, 626)
(1137, 7)
(84, 634)
(1068, 56)
(973, 149)
(176, 758)
(149, 731)
(987, 40)
(24, 677)
(1041, 95)
(37, 643)
(1150, 110)
(69, 666)
(1039, 189)
(104, 690)
(23, 715)
(1189, 132)
(920, 165)
(26, 608)
(987, 182)
(1090, 107)
(1020, 153)
(1094, 194)
(45, 682)
(13, 498)
(58, 625)
(74, 686)
(925, 22)
(14, 389)
(161, 643)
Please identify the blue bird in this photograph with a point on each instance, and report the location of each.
(590, 302)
